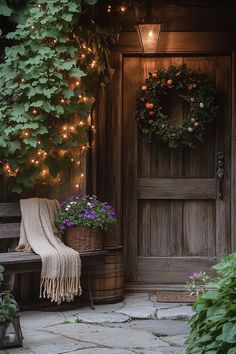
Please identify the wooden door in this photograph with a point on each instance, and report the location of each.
(173, 222)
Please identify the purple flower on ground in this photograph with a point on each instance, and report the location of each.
(197, 275)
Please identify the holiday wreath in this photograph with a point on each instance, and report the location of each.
(193, 88)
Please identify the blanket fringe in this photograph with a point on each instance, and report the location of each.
(60, 289)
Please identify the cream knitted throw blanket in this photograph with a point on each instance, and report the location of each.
(61, 265)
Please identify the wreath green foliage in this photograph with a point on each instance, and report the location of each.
(193, 88)
(58, 56)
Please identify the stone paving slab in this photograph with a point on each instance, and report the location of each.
(103, 351)
(176, 313)
(138, 309)
(166, 351)
(109, 337)
(159, 327)
(176, 341)
(41, 342)
(97, 317)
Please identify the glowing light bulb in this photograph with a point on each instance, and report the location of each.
(34, 111)
(81, 123)
(93, 64)
(84, 46)
(77, 83)
(22, 80)
(32, 27)
(150, 34)
(83, 56)
(72, 128)
(62, 100)
(78, 163)
(93, 127)
(72, 160)
(64, 128)
(36, 162)
(123, 9)
(65, 136)
(33, 161)
(26, 133)
(39, 142)
(77, 185)
(39, 6)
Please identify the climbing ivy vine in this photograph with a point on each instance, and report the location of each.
(47, 81)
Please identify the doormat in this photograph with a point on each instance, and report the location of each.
(174, 296)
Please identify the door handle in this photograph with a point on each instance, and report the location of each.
(220, 173)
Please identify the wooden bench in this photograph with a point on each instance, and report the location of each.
(21, 262)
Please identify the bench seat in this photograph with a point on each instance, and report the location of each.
(22, 262)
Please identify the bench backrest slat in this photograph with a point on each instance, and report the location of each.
(9, 210)
(9, 230)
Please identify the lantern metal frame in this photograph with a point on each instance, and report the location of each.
(152, 29)
(17, 338)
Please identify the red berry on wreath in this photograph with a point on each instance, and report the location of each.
(170, 82)
(152, 113)
(149, 105)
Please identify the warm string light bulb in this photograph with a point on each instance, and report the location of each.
(109, 8)
(123, 8)
(25, 133)
(34, 111)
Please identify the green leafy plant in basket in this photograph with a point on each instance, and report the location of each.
(85, 211)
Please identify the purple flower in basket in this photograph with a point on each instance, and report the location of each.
(85, 211)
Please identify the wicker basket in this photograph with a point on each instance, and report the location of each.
(84, 238)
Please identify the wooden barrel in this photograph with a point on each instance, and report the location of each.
(107, 279)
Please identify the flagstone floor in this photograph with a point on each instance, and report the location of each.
(139, 325)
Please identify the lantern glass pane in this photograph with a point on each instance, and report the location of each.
(10, 337)
(148, 35)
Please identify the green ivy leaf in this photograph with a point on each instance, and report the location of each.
(4, 9)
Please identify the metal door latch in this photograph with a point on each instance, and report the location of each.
(220, 172)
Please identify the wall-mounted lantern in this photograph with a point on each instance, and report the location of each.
(149, 30)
